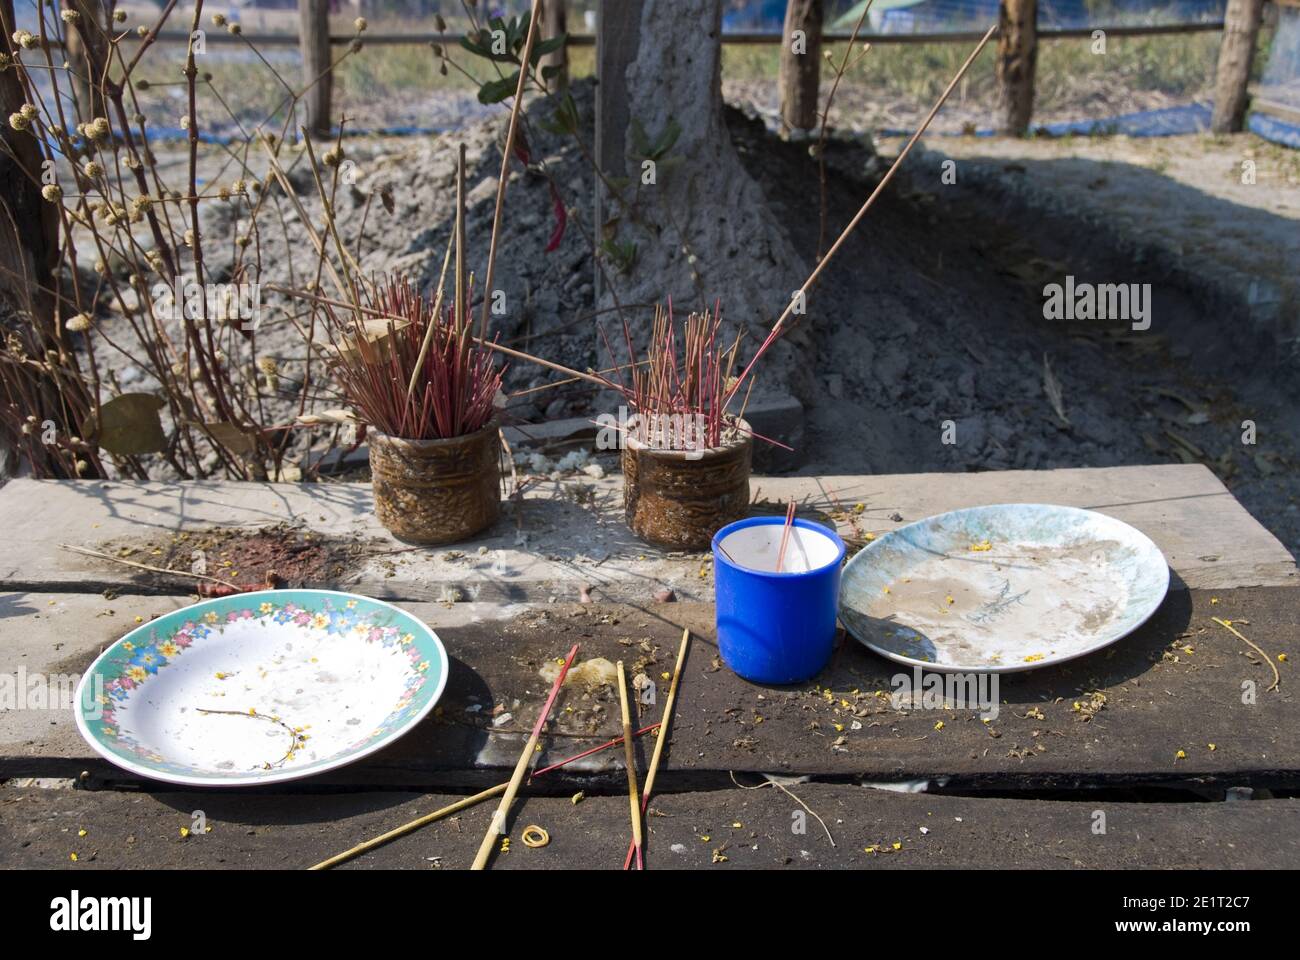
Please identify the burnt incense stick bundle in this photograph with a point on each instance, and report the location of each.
(414, 371)
(677, 388)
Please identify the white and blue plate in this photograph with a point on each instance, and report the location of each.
(1002, 588)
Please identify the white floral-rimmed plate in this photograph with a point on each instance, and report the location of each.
(260, 687)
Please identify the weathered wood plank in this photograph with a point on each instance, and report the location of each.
(1160, 699)
(572, 533)
(752, 829)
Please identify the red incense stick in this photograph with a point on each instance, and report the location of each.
(785, 535)
(497, 826)
(586, 753)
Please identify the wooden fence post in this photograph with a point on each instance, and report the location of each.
(800, 64)
(1017, 58)
(553, 25)
(314, 41)
(1236, 54)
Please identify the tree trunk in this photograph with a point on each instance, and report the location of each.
(314, 40)
(28, 224)
(800, 68)
(1017, 60)
(696, 225)
(553, 25)
(1236, 54)
(29, 250)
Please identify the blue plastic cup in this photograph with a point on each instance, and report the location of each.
(776, 627)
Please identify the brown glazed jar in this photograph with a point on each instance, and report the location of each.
(436, 491)
(678, 502)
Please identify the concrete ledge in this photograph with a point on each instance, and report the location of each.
(564, 535)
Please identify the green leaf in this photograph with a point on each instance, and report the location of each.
(640, 142)
(667, 139)
(475, 48)
(643, 149)
(129, 425)
(549, 45)
(565, 117)
(484, 49)
(494, 91)
(622, 255)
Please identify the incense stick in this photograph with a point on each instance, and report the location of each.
(629, 757)
(459, 228)
(586, 753)
(462, 804)
(497, 826)
(785, 535)
(801, 293)
(515, 107)
(401, 831)
(663, 736)
(433, 326)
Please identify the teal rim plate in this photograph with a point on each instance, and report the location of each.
(1002, 588)
(260, 687)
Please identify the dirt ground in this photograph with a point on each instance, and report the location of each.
(934, 314)
(931, 351)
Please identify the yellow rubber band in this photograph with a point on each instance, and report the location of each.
(535, 836)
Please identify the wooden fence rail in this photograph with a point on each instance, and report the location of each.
(1016, 53)
(737, 39)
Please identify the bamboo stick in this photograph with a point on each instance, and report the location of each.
(461, 306)
(629, 757)
(433, 326)
(462, 804)
(497, 826)
(524, 67)
(662, 736)
(844, 235)
(144, 566)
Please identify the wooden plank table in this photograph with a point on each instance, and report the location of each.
(1148, 709)
(39, 828)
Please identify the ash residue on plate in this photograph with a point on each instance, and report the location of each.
(278, 556)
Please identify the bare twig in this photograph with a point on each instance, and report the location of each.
(144, 566)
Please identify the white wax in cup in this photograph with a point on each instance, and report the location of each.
(756, 548)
